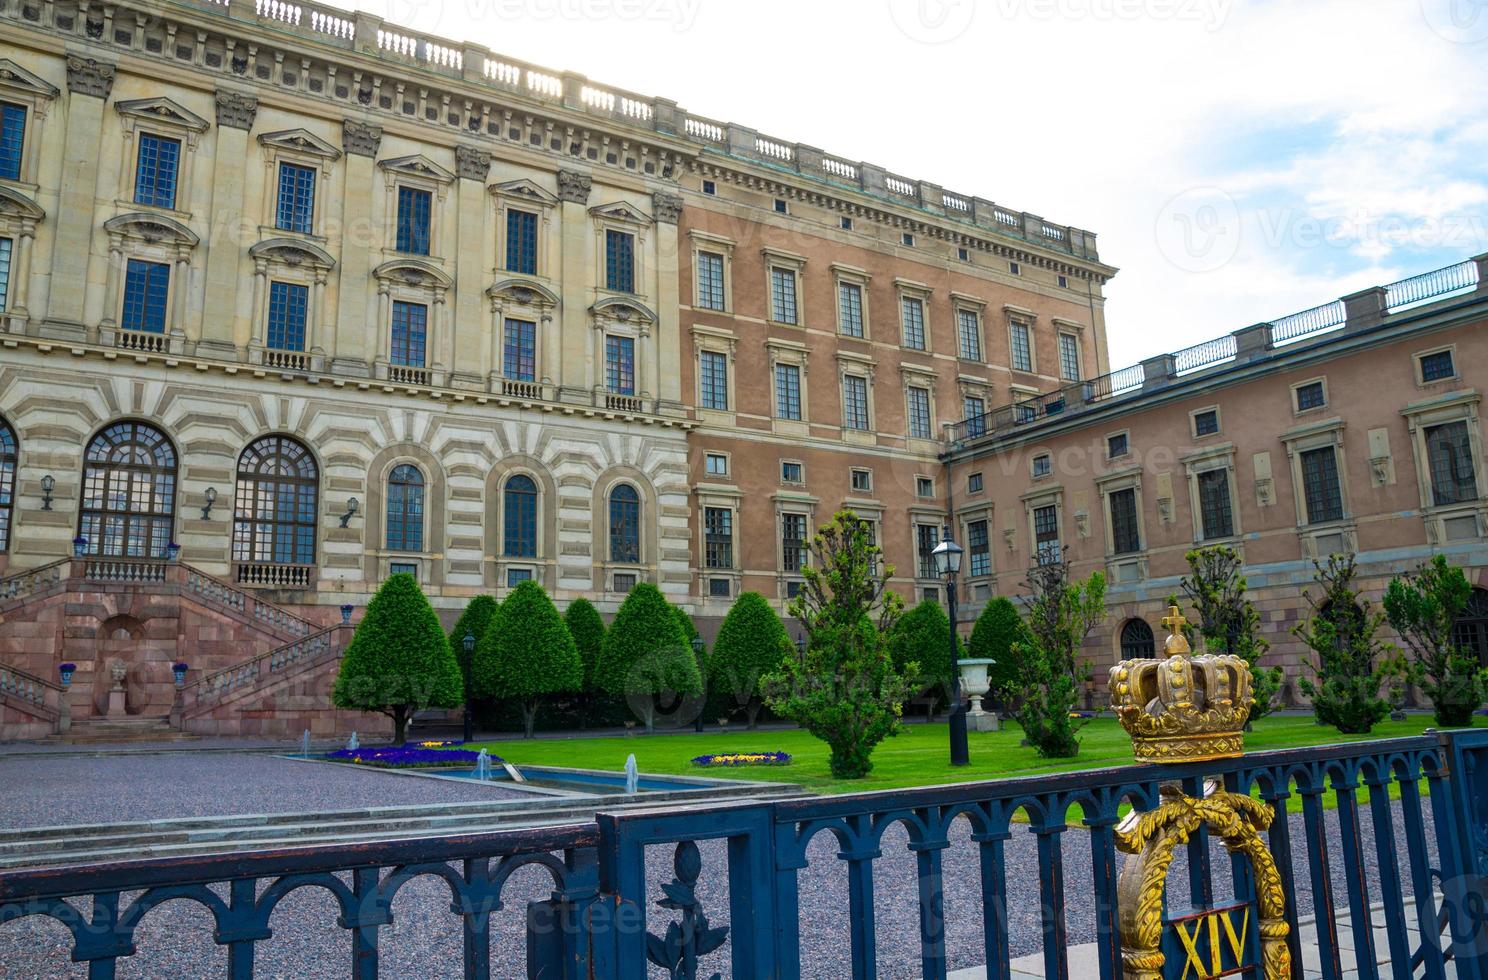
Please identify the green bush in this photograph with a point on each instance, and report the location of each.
(998, 629)
(587, 628)
(645, 654)
(399, 660)
(1354, 666)
(1423, 606)
(751, 643)
(1228, 621)
(1061, 614)
(922, 636)
(474, 621)
(528, 653)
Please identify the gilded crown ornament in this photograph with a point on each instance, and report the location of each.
(1182, 708)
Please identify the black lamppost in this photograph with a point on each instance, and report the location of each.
(947, 558)
(469, 644)
(697, 652)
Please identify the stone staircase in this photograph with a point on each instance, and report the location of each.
(130, 728)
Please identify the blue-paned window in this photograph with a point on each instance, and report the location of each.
(620, 261)
(288, 303)
(413, 220)
(625, 524)
(713, 368)
(410, 333)
(405, 509)
(5, 253)
(620, 365)
(296, 198)
(519, 534)
(155, 178)
(521, 242)
(519, 353)
(12, 139)
(146, 287)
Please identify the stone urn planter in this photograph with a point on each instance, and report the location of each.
(974, 685)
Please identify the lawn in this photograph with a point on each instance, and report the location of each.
(915, 757)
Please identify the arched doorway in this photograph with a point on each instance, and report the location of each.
(129, 492)
(1137, 640)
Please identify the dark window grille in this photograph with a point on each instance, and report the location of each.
(1310, 396)
(1437, 366)
(296, 210)
(713, 371)
(710, 280)
(129, 492)
(519, 351)
(1206, 423)
(288, 308)
(1136, 640)
(155, 177)
(410, 334)
(919, 413)
(1215, 508)
(146, 289)
(414, 207)
(1449, 452)
(1046, 546)
(274, 513)
(1470, 631)
(1125, 536)
(620, 261)
(519, 529)
(405, 509)
(913, 311)
(1320, 486)
(788, 391)
(1022, 352)
(792, 542)
(979, 548)
(625, 525)
(783, 295)
(521, 242)
(970, 329)
(850, 308)
(927, 536)
(718, 537)
(854, 402)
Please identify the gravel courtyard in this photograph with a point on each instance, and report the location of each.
(424, 940)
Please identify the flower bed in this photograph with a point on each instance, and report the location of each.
(733, 759)
(410, 755)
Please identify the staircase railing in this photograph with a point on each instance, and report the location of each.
(214, 687)
(32, 580)
(30, 689)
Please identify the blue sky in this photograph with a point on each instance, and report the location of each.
(1239, 159)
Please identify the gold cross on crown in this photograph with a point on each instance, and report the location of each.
(1174, 622)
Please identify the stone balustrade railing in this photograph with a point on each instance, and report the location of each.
(22, 585)
(16, 683)
(212, 688)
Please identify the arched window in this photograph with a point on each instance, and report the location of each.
(274, 514)
(129, 492)
(625, 524)
(7, 482)
(519, 533)
(1471, 629)
(405, 509)
(1136, 640)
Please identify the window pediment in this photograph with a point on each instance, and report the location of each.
(17, 79)
(293, 252)
(523, 292)
(163, 110)
(14, 203)
(151, 228)
(525, 190)
(622, 309)
(622, 211)
(417, 165)
(299, 141)
(412, 272)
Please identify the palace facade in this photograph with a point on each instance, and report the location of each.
(293, 299)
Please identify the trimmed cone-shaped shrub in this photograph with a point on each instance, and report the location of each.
(527, 654)
(474, 621)
(399, 660)
(645, 655)
(923, 636)
(751, 643)
(996, 630)
(587, 628)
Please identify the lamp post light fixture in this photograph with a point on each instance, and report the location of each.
(697, 652)
(801, 648)
(352, 506)
(947, 559)
(48, 484)
(468, 731)
(211, 498)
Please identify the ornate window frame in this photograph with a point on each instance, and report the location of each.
(419, 172)
(19, 216)
(303, 149)
(167, 118)
(1036, 499)
(1076, 332)
(413, 280)
(854, 276)
(715, 340)
(36, 95)
(645, 567)
(296, 261)
(981, 511)
(977, 307)
(775, 258)
(910, 289)
(792, 502)
(523, 195)
(702, 241)
(713, 496)
(1025, 318)
(1328, 537)
(923, 378)
(1129, 567)
(522, 298)
(1449, 522)
(624, 217)
(780, 351)
(859, 366)
(151, 237)
(620, 315)
(1219, 457)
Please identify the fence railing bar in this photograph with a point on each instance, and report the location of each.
(1392, 898)
(1423, 892)
(1051, 891)
(1346, 801)
(1324, 910)
(1200, 884)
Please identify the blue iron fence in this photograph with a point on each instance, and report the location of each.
(604, 919)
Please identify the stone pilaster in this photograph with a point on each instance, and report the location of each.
(473, 262)
(579, 373)
(224, 330)
(667, 383)
(359, 322)
(89, 83)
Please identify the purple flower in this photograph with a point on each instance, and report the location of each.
(744, 759)
(67, 667)
(410, 755)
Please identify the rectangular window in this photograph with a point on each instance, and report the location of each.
(1046, 535)
(296, 209)
(414, 208)
(969, 331)
(521, 242)
(709, 187)
(715, 464)
(1043, 465)
(1015, 268)
(1450, 458)
(1215, 512)
(519, 351)
(912, 311)
(780, 207)
(620, 261)
(974, 410)
(146, 286)
(516, 576)
(5, 250)
(924, 487)
(782, 295)
(155, 177)
(918, 401)
(845, 223)
(718, 537)
(620, 365)
(854, 402)
(623, 582)
(792, 472)
(788, 391)
(1310, 396)
(403, 568)
(1435, 367)
(1320, 487)
(927, 536)
(907, 239)
(792, 542)
(850, 308)
(710, 280)
(1206, 423)
(1069, 357)
(862, 481)
(288, 305)
(1125, 538)
(978, 548)
(410, 334)
(1022, 352)
(12, 139)
(974, 483)
(713, 378)
(719, 588)
(1117, 445)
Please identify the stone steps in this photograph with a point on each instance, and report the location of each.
(127, 729)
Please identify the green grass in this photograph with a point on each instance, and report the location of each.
(918, 756)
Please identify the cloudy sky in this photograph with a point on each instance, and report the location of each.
(1239, 159)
